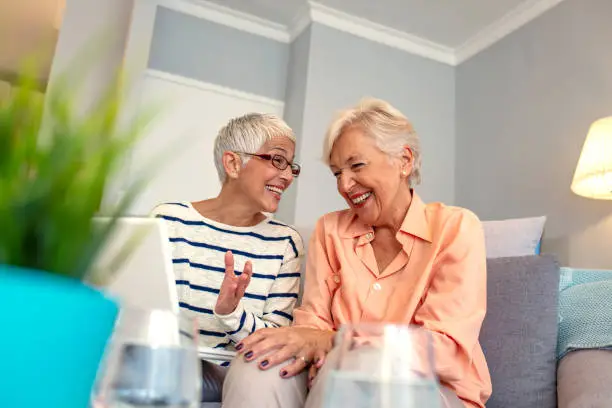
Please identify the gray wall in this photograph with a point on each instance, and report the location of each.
(343, 68)
(523, 107)
(523, 110)
(196, 48)
(322, 71)
(295, 99)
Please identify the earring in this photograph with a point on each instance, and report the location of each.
(404, 172)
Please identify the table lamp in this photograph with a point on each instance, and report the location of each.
(593, 175)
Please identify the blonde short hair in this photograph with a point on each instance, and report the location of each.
(247, 134)
(389, 128)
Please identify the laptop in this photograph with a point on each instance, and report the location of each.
(149, 263)
(145, 279)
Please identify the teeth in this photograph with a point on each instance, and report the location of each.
(274, 189)
(361, 198)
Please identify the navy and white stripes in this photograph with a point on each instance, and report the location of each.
(198, 249)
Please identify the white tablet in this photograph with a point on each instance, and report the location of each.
(145, 279)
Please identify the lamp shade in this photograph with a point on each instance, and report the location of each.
(593, 176)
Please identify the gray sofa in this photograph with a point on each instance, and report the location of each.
(519, 338)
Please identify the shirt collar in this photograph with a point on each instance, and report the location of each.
(415, 223)
(354, 227)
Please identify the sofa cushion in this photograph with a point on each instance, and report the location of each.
(519, 333)
(584, 379)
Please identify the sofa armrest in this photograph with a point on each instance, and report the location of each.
(584, 378)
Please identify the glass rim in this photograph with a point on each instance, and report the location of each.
(128, 316)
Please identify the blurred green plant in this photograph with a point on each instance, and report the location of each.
(56, 162)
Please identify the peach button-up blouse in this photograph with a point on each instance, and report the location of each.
(438, 281)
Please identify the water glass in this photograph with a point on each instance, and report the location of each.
(152, 361)
(382, 366)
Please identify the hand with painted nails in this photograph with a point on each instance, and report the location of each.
(302, 346)
(314, 368)
(232, 287)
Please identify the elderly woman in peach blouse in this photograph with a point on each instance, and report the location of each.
(389, 257)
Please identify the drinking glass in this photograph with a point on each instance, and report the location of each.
(152, 361)
(382, 366)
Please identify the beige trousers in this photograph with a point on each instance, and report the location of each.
(246, 385)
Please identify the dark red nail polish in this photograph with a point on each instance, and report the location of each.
(264, 363)
(249, 354)
(283, 373)
(239, 347)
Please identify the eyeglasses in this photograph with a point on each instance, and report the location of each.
(278, 161)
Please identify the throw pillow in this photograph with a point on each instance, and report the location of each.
(513, 237)
(586, 317)
(519, 333)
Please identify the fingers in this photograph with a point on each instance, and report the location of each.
(312, 373)
(317, 363)
(244, 280)
(226, 300)
(249, 342)
(229, 264)
(248, 270)
(264, 347)
(319, 358)
(233, 287)
(293, 369)
(278, 356)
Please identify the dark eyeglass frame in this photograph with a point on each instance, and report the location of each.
(278, 161)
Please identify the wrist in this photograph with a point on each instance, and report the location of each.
(327, 339)
(224, 311)
(230, 321)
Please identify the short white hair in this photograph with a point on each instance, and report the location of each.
(247, 134)
(389, 128)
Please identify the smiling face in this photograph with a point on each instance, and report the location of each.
(263, 183)
(370, 181)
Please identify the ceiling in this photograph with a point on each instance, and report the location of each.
(450, 23)
(31, 26)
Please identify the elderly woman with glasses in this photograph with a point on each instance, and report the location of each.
(238, 270)
(388, 258)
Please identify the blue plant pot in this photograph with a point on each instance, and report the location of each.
(54, 331)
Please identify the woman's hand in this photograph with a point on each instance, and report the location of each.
(314, 368)
(233, 287)
(274, 346)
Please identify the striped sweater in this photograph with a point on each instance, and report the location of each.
(198, 249)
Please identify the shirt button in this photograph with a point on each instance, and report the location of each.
(336, 279)
(377, 286)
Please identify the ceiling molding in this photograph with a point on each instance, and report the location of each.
(230, 17)
(339, 20)
(207, 86)
(381, 34)
(300, 22)
(515, 19)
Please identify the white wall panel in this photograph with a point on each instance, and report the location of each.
(181, 138)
